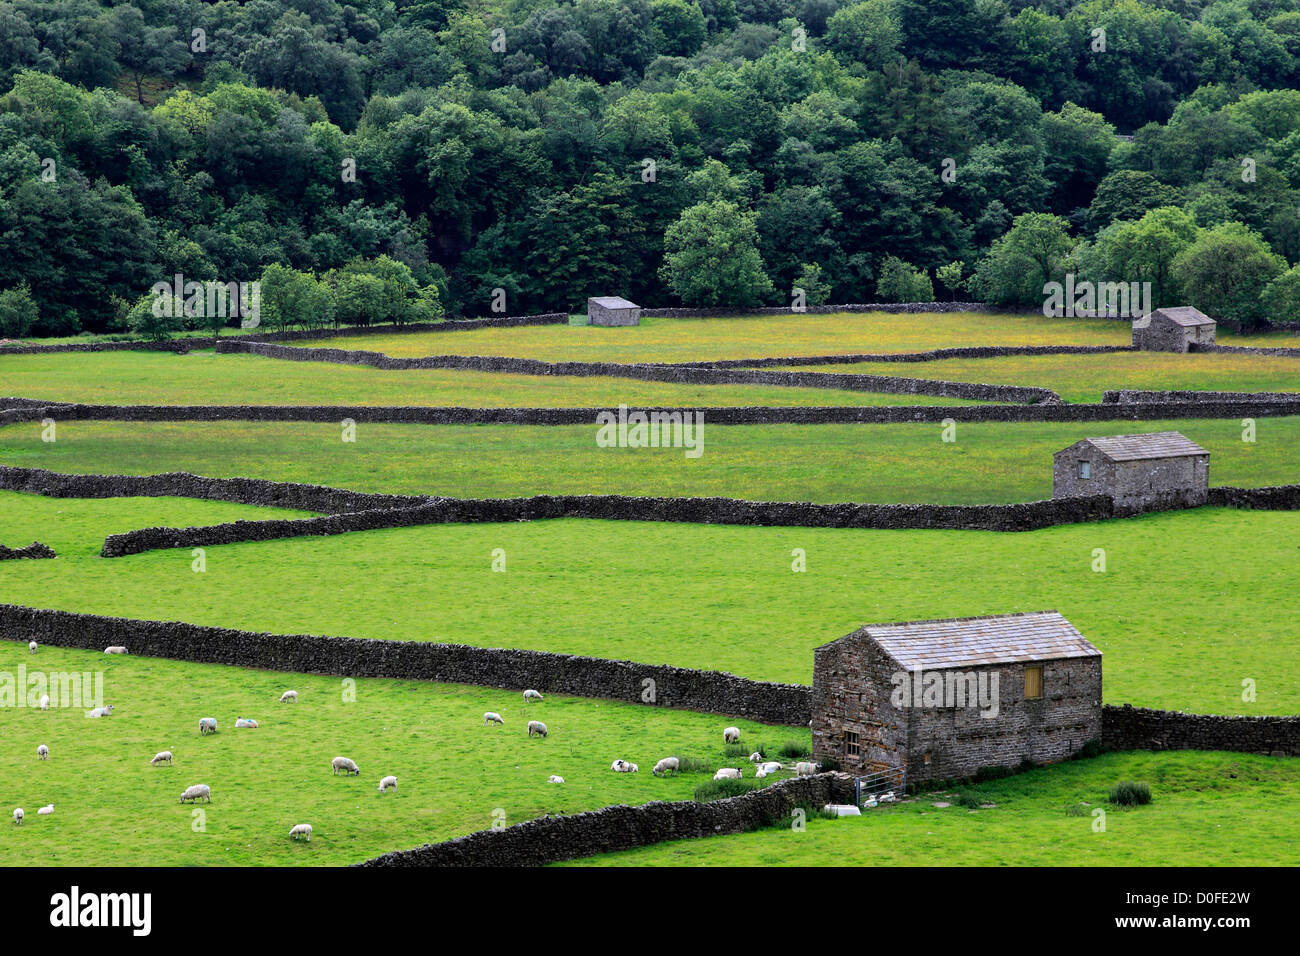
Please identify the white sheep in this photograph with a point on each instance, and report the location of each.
(207, 725)
(115, 649)
(346, 765)
(388, 783)
(805, 769)
(623, 766)
(31, 647)
(290, 696)
(43, 752)
(162, 756)
(769, 766)
(18, 816)
(869, 802)
(105, 711)
(245, 722)
(728, 773)
(45, 701)
(197, 792)
(301, 830)
(731, 735)
(760, 773)
(663, 766)
(46, 810)
(533, 695)
(536, 727)
(553, 778)
(756, 757)
(887, 797)
(492, 717)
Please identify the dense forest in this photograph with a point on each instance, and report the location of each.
(408, 159)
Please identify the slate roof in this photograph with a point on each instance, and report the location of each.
(1141, 447)
(1184, 315)
(980, 641)
(612, 302)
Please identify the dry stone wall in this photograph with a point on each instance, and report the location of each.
(33, 550)
(1138, 728)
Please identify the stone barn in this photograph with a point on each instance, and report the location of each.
(944, 698)
(1173, 330)
(1138, 472)
(613, 310)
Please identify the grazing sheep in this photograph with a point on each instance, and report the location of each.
(623, 766)
(194, 793)
(245, 722)
(492, 717)
(31, 647)
(43, 752)
(536, 727)
(46, 810)
(728, 773)
(731, 735)
(207, 725)
(18, 816)
(388, 783)
(45, 701)
(162, 756)
(756, 757)
(663, 766)
(533, 695)
(290, 696)
(105, 711)
(805, 769)
(301, 830)
(115, 649)
(346, 765)
(555, 779)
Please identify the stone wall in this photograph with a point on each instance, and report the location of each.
(571, 837)
(1127, 396)
(1274, 498)
(1285, 351)
(33, 550)
(179, 346)
(894, 307)
(627, 681)
(1137, 728)
(929, 355)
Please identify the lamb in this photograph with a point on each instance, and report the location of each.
(115, 649)
(533, 695)
(245, 722)
(388, 783)
(869, 802)
(492, 717)
(105, 711)
(623, 766)
(197, 792)
(728, 773)
(769, 766)
(45, 701)
(756, 757)
(207, 725)
(301, 830)
(731, 735)
(346, 765)
(663, 766)
(291, 696)
(162, 756)
(31, 647)
(536, 727)
(760, 773)
(46, 810)
(18, 816)
(887, 797)
(805, 769)
(553, 778)
(43, 752)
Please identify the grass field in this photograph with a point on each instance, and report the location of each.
(724, 598)
(1209, 809)
(1082, 378)
(988, 462)
(112, 808)
(206, 378)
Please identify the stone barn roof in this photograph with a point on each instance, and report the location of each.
(1183, 315)
(1142, 447)
(613, 302)
(978, 641)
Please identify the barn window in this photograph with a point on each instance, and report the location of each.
(1033, 683)
(926, 758)
(851, 748)
(1085, 469)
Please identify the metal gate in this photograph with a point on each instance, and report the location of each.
(882, 781)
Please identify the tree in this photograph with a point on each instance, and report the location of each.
(1281, 297)
(18, 312)
(949, 277)
(1021, 263)
(866, 33)
(678, 27)
(1224, 272)
(294, 300)
(816, 291)
(900, 282)
(711, 257)
(1144, 251)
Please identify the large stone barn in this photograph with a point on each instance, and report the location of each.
(1138, 472)
(1173, 330)
(944, 698)
(613, 310)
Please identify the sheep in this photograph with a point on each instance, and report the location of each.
(115, 649)
(346, 765)
(290, 696)
(756, 757)
(42, 752)
(207, 725)
(728, 773)
(553, 778)
(388, 783)
(536, 727)
(162, 756)
(18, 816)
(301, 830)
(663, 766)
(492, 717)
(31, 647)
(194, 793)
(731, 735)
(760, 773)
(623, 766)
(46, 810)
(245, 722)
(769, 766)
(533, 695)
(887, 797)
(869, 802)
(805, 769)
(105, 711)
(45, 701)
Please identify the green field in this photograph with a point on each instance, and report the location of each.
(111, 808)
(987, 463)
(1209, 809)
(723, 598)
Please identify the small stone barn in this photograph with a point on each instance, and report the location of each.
(945, 698)
(613, 310)
(1173, 330)
(1138, 472)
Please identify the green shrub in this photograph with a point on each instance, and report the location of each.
(969, 800)
(721, 789)
(692, 765)
(793, 748)
(736, 750)
(1093, 748)
(992, 773)
(1130, 794)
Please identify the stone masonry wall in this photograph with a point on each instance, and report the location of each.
(33, 550)
(1130, 395)
(1138, 728)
